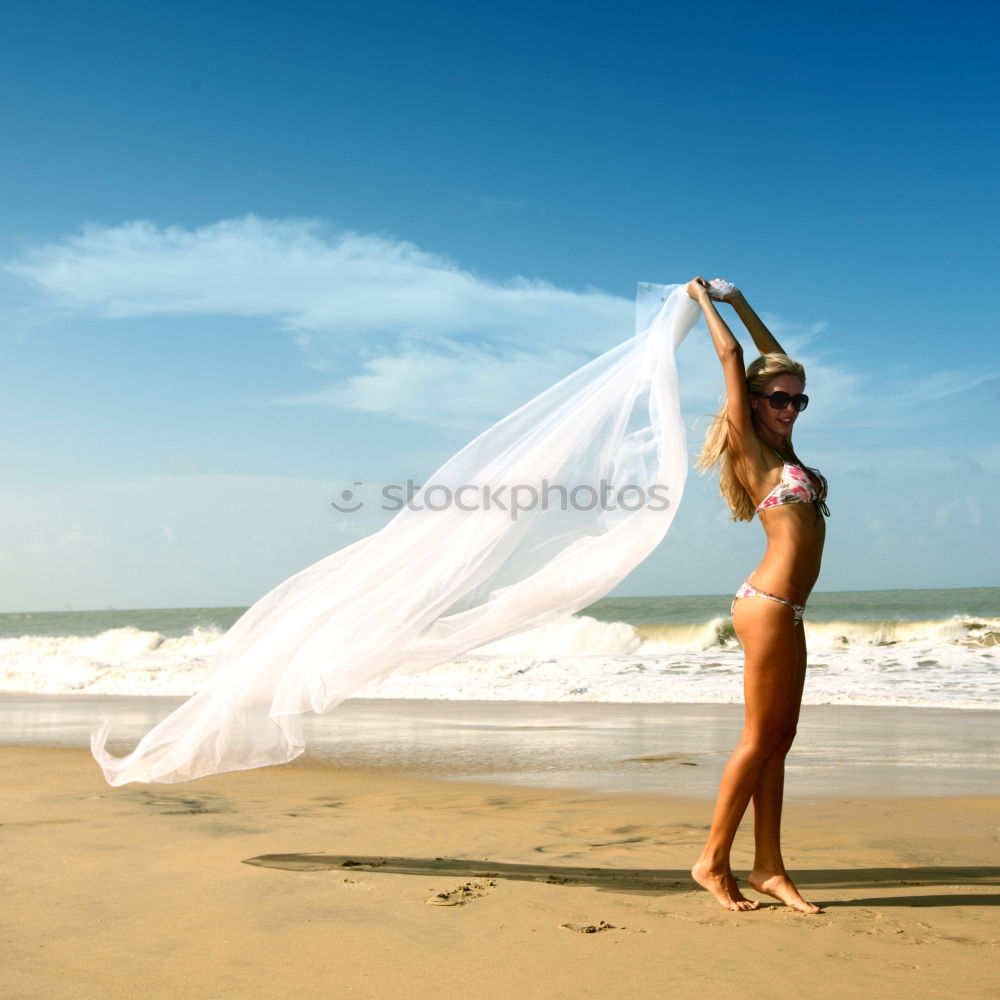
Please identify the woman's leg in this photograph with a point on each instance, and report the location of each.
(772, 689)
(769, 875)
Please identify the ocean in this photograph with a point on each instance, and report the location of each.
(919, 648)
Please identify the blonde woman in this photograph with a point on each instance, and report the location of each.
(750, 443)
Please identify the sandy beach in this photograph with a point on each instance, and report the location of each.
(318, 880)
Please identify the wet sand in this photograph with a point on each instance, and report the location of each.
(666, 749)
(318, 880)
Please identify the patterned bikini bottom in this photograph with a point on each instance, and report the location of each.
(748, 590)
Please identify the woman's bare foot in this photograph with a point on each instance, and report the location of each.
(782, 888)
(722, 885)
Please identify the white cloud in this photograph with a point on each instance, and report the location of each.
(413, 335)
(416, 336)
(470, 387)
(309, 278)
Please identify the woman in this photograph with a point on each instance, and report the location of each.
(750, 442)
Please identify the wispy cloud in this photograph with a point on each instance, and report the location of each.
(413, 334)
(419, 336)
(309, 277)
(470, 387)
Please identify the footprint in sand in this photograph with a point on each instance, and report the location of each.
(601, 925)
(177, 805)
(461, 894)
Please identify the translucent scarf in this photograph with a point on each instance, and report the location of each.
(536, 518)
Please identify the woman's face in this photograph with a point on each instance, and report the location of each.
(765, 417)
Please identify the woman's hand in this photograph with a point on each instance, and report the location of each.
(732, 295)
(697, 289)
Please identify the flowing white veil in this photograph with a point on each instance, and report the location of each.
(597, 465)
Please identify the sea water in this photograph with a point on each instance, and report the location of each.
(923, 648)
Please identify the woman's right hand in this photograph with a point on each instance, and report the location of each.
(697, 289)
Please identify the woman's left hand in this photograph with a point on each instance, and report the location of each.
(731, 294)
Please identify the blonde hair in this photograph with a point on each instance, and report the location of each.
(715, 450)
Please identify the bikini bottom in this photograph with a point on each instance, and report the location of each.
(748, 590)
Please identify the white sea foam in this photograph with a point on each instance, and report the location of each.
(953, 662)
(118, 661)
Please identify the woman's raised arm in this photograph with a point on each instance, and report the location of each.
(741, 433)
(762, 336)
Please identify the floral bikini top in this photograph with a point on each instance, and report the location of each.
(796, 486)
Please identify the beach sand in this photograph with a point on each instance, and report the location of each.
(312, 880)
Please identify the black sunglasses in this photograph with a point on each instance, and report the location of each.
(779, 400)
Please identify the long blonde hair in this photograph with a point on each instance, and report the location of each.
(715, 450)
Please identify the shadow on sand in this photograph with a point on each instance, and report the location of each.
(662, 881)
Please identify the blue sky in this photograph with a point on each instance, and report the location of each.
(251, 254)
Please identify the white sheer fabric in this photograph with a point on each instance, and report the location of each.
(434, 583)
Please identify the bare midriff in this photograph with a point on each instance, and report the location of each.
(795, 535)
